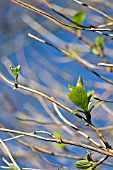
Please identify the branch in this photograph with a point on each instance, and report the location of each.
(61, 105)
(9, 154)
(75, 127)
(58, 141)
(94, 9)
(55, 20)
(69, 55)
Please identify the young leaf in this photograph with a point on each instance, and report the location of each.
(90, 96)
(78, 18)
(96, 105)
(100, 42)
(94, 51)
(83, 164)
(59, 135)
(79, 97)
(75, 112)
(15, 71)
(89, 158)
(13, 167)
(70, 87)
(80, 82)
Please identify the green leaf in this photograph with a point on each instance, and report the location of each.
(15, 71)
(100, 42)
(78, 18)
(94, 51)
(70, 87)
(13, 167)
(75, 112)
(78, 96)
(80, 82)
(83, 164)
(59, 135)
(96, 105)
(90, 96)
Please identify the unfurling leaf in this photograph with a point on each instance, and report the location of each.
(96, 105)
(80, 82)
(90, 96)
(83, 164)
(15, 71)
(59, 135)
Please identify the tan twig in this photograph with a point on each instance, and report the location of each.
(84, 27)
(75, 127)
(9, 154)
(58, 141)
(94, 9)
(99, 162)
(50, 152)
(59, 104)
(55, 20)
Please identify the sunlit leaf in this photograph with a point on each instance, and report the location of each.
(83, 164)
(100, 42)
(59, 135)
(80, 82)
(75, 112)
(78, 18)
(90, 96)
(94, 51)
(13, 167)
(15, 71)
(70, 87)
(96, 105)
(79, 97)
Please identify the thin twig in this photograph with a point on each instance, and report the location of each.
(59, 104)
(58, 141)
(32, 8)
(69, 55)
(94, 9)
(85, 27)
(9, 154)
(99, 162)
(51, 152)
(74, 127)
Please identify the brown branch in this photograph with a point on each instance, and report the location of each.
(66, 27)
(58, 141)
(61, 105)
(94, 9)
(80, 36)
(73, 57)
(100, 162)
(48, 151)
(55, 20)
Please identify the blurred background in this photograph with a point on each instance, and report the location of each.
(47, 70)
